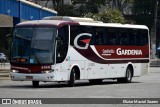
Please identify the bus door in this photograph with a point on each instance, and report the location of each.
(61, 51)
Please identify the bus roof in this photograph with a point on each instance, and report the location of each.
(75, 19)
(59, 21)
(56, 23)
(114, 25)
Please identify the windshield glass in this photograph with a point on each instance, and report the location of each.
(33, 45)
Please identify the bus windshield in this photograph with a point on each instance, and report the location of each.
(33, 45)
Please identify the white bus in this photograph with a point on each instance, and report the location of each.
(66, 49)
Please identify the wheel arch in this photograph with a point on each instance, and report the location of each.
(130, 65)
(77, 71)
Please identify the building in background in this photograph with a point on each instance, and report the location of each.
(50, 3)
(15, 11)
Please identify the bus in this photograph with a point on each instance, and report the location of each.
(67, 49)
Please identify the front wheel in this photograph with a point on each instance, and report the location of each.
(71, 82)
(127, 78)
(35, 83)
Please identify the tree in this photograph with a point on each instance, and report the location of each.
(66, 10)
(143, 12)
(82, 7)
(91, 5)
(108, 16)
(119, 4)
(57, 3)
(87, 6)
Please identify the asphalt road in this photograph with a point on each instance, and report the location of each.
(141, 87)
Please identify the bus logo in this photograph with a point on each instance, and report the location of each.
(86, 41)
(128, 52)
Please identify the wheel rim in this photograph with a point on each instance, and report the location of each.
(129, 74)
(74, 76)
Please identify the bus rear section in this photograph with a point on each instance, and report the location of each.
(112, 51)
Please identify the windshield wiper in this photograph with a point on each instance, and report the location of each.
(32, 47)
(23, 37)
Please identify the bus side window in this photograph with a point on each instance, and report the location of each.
(123, 37)
(138, 39)
(62, 44)
(112, 36)
(84, 29)
(74, 31)
(144, 37)
(99, 36)
(132, 37)
(77, 30)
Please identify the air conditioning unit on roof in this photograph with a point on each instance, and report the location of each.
(67, 18)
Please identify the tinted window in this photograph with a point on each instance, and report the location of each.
(84, 29)
(77, 30)
(112, 36)
(138, 37)
(99, 36)
(74, 31)
(144, 37)
(33, 44)
(132, 37)
(62, 44)
(123, 37)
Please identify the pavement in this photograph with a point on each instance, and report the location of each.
(143, 87)
(4, 71)
(154, 62)
(5, 68)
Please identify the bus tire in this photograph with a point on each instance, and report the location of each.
(35, 83)
(71, 82)
(128, 76)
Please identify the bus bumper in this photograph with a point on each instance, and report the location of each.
(46, 77)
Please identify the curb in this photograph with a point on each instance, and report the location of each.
(4, 74)
(5, 78)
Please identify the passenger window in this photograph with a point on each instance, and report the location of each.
(84, 29)
(112, 36)
(123, 37)
(74, 31)
(138, 37)
(144, 37)
(62, 44)
(99, 36)
(132, 37)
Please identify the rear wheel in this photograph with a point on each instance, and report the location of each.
(71, 82)
(127, 78)
(35, 83)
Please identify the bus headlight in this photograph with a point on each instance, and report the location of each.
(47, 71)
(14, 71)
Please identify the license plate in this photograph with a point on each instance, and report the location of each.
(29, 77)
